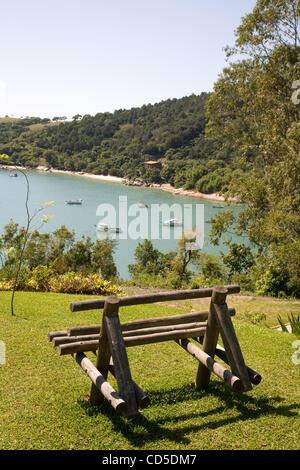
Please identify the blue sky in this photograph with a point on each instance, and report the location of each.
(87, 56)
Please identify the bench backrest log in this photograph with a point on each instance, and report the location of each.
(151, 298)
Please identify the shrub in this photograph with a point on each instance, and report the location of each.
(272, 281)
(202, 281)
(78, 283)
(8, 275)
(256, 317)
(244, 280)
(169, 280)
(40, 278)
(6, 285)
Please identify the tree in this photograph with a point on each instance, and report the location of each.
(102, 258)
(210, 266)
(59, 118)
(187, 253)
(77, 117)
(79, 255)
(23, 239)
(238, 259)
(255, 109)
(147, 259)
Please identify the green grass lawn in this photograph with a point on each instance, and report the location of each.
(41, 404)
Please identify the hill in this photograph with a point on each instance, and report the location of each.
(171, 132)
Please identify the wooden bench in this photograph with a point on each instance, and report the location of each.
(109, 340)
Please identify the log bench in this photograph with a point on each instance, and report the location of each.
(196, 332)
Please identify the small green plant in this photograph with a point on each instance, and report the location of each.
(294, 321)
(295, 324)
(255, 317)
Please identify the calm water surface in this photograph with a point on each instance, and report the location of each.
(83, 218)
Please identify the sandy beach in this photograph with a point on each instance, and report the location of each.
(111, 179)
(190, 193)
(116, 179)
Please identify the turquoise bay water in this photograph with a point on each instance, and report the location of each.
(83, 219)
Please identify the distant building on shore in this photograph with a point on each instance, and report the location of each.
(153, 164)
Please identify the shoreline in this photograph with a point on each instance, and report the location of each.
(190, 193)
(117, 179)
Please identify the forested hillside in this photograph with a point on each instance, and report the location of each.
(118, 143)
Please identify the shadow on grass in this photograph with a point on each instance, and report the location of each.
(140, 429)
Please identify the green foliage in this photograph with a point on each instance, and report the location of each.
(8, 276)
(164, 269)
(44, 279)
(244, 280)
(172, 131)
(56, 252)
(282, 324)
(211, 271)
(102, 258)
(211, 266)
(253, 110)
(78, 283)
(255, 318)
(294, 321)
(273, 281)
(6, 285)
(202, 281)
(78, 257)
(149, 260)
(221, 223)
(295, 324)
(238, 259)
(169, 281)
(40, 278)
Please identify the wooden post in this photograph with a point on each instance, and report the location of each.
(142, 399)
(211, 336)
(231, 345)
(100, 383)
(103, 355)
(112, 326)
(255, 377)
(224, 374)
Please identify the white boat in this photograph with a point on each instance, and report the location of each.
(103, 227)
(107, 228)
(173, 223)
(74, 202)
(143, 204)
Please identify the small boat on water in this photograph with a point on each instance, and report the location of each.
(103, 227)
(218, 207)
(106, 228)
(173, 223)
(13, 175)
(143, 204)
(74, 202)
